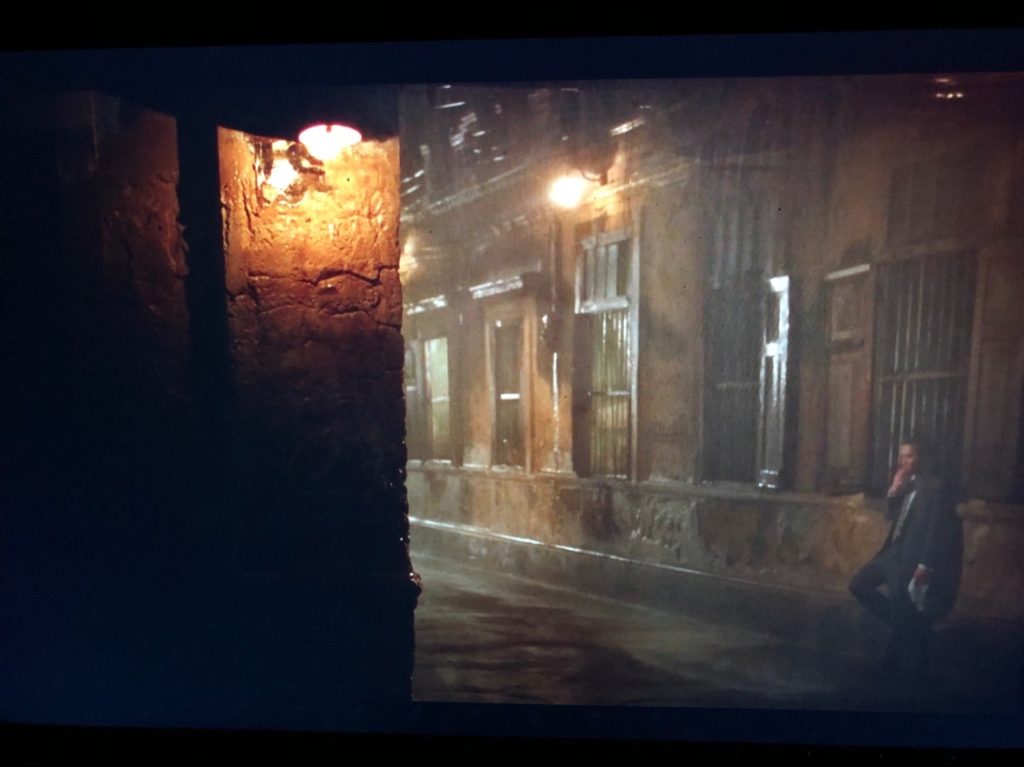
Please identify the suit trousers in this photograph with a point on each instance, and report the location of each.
(909, 638)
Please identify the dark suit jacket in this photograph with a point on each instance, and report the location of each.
(931, 536)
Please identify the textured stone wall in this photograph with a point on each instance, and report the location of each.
(117, 216)
(113, 277)
(672, 349)
(993, 541)
(787, 539)
(102, 546)
(315, 319)
(318, 453)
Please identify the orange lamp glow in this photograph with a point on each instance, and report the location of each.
(567, 191)
(325, 142)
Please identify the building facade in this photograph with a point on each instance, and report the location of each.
(710, 358)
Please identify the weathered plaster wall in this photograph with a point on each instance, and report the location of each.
(102, 547)
(789, 539)
(314, 315)
(993, 540)
(474, 377)
(871, 150)
(785, 539)
(113, 271)
(858, 232)
(826, 166)
(671, 357)
(315, 319)
(143, 251)
(127, 317)
(155, 580)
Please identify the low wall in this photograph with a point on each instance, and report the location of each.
(784, 539)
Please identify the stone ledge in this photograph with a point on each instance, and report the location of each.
(991, 511)
(802, 613)
(803, 616)
(974, 509)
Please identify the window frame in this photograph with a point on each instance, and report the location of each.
(588, 308)
(496, 320)
(430, 399)
(427, 320)
(511, 306)
(955, 434)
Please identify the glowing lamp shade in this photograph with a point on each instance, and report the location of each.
(324, 142)
(567, 191)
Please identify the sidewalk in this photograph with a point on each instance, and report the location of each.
(505, 620)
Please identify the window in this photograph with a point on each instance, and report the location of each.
(437, 398)
(603, 410)
(605, 277)
(415, 415)
(732, 346)
(610, 394)
(771, 431)
(922, 350)
(848, 319)
(509, 448)
(746, 342)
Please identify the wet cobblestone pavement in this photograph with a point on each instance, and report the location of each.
(488, 637)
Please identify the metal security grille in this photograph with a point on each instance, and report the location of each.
(610, 394)
(923, 342)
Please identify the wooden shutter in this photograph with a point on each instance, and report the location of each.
(509, 447)
(849, 378)
(733, 318)
(774, 364)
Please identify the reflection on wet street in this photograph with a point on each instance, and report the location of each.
(487, 637)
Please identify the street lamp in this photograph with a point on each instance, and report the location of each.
(325, 142)
(568, 189)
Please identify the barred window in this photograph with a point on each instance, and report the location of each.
(923, 342)
(610, 394)
(603, 405)
(746, 343)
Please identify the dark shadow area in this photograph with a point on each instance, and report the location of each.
(203, 449)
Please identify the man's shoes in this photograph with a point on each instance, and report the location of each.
(917, 664)
(891, 662)
(918, 673)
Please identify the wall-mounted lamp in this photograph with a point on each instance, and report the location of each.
(282, 176)
(325, 142)
(296, 166)
(567, 190)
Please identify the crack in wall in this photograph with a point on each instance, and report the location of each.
(334, 272)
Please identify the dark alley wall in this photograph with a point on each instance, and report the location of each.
(170, 556)
(98, 342)
(314, 317)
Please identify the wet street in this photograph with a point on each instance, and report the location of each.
(488, 637)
